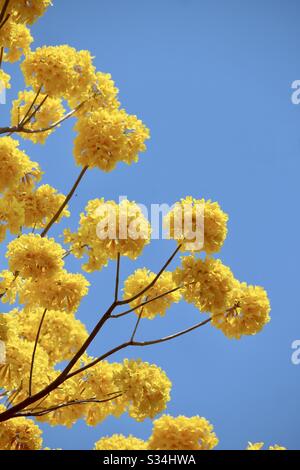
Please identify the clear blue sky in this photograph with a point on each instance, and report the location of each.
(212, 80)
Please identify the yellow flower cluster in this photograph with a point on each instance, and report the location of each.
(106, 137)
(207, 283)
(63, 71)
(100, 382)
(14, 374)
(25, 206)
(15, 165)
(61, 336)
(64, 292)
(259, 446)
(107, 229)
(102, 94)
(49, 111)
(182, 433)
(168, 433)
(24, 11)
(34, 257)
(197, 224)
(16, 40)
(146, 388)
(120, 442)
(19, 434)
(10, 286)
(140, 279)
(4, 81)
(249, 313)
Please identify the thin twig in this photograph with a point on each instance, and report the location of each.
(137, 324)
(3, 19)
(34, 351)
(1, 56)
(117, 278)
(64, 405)
(67, 199)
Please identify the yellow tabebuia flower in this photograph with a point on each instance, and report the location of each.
(50, 110)
(106, 137)
(16, 39)
(206, 283)
(259, 446)
(107, 229)
(249, 313)
(63, 71)
(146, 388)
(35, 257)
(15, 165)
(4, 81)
(28, 11)
(63, 292)
(139, 280)
(19, 434)
(182, 433)
(197, 225)
(120, 442)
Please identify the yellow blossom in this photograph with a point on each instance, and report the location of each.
(249, 313)
(25, 11)
(207, 283)
(120, 442)
(63, 71)
(197, 224)
(182, 433)
(15, 165)
(61, 335)
(19, 434)
(16, 40)
(102, 94)
(259, 446)
(108, 229)
(140, 279)
(106, 137)
(146, 388)
(4, 81)
(63, 292)
(48, 113)
(35, 257)
(10, 285)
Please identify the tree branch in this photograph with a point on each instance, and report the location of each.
(67, 199)
(34, 350)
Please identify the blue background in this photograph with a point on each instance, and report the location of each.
(212, 80)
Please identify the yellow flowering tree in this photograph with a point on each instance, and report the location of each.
(41, 331)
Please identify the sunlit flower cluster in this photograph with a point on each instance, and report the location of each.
(34, 257)
(106, 229)
(146, 387)
(15, 165)
(206, 283)
(16, 40)
(19, 434)
(120, 442)
(259, 446)
(141, 279)
(249, 313)
(197, 225)
(106, 137)
(63, 71)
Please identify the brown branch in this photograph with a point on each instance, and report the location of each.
(137, 324)
(148, 301)
(34, 350)
(117, 277)
(67, 199)
(21, 129)
(1, 56)
(64, 405)
(3, 18)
